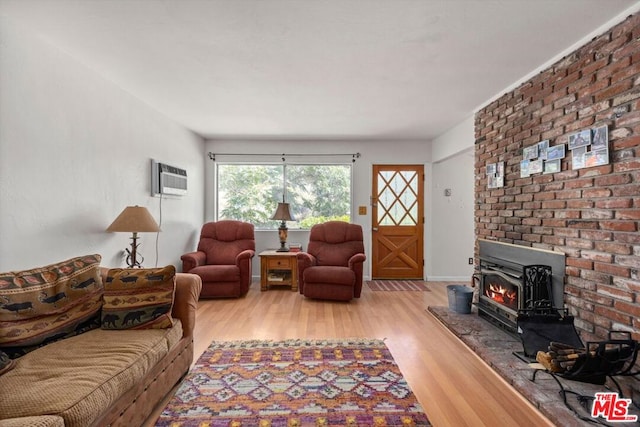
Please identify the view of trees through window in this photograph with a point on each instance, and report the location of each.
(315, 193)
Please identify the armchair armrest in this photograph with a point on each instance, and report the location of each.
(192, 260)
(304, 260)
(355, 259)
(246, 254)
(356, 263)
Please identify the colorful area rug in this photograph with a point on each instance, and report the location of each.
(397, 285)
(294, 383)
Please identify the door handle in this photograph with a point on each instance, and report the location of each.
(374, 229)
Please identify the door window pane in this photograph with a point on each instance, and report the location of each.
(397, 198)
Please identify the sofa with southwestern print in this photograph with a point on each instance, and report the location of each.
(107, 370)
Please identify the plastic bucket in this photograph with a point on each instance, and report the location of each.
(460, 298)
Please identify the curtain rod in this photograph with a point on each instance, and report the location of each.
(354, 156)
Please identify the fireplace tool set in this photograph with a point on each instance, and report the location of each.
(549, 336)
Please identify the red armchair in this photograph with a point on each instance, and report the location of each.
(223, 258)
(332, 266)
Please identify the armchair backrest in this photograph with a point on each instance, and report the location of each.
(222, 241)
(334, 242)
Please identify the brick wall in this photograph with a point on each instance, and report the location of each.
(592, 214)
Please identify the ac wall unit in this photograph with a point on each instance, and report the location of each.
(166, 179)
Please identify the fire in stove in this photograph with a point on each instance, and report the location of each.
(501, 289)
(502, 295)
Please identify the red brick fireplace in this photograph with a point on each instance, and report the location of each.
(590, 214)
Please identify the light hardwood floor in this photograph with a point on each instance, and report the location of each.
(453, 385)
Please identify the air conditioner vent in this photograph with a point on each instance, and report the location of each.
(167, 179)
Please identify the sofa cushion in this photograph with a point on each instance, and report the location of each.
(139, 298)
(80, 377)
(48, 303)
(41, 421)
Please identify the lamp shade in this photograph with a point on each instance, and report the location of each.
(282, 212)
(134, 219)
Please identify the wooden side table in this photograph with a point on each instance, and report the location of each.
(278, 269)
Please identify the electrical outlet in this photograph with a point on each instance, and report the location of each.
(470, 261)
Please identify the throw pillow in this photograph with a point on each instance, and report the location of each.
(139, 298)
(49, 303)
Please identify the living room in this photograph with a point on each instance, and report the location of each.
(75, 150)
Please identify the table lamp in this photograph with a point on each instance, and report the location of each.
(283, 214)
(134, 219)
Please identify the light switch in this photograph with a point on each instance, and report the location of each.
(362, 210)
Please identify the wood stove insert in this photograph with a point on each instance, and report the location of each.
(512, 278)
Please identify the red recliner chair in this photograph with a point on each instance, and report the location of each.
(223, 258)
(331, 268)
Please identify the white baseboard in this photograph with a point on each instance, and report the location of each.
(463, 279)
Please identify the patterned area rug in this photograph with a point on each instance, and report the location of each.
(294, 383)
(397, 285)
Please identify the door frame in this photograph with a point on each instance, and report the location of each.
(419, 258)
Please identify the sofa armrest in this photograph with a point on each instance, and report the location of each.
(192, 260)
(185, 302)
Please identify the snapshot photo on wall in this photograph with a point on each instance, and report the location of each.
(530, 153)
(552, 166)
(543, 147)
(556, 152)
(580, 139)
(535, 166)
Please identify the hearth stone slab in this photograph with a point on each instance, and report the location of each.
(495, 347)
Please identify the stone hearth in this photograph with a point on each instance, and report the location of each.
(496, 348)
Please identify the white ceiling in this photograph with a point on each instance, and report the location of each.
(317, 69)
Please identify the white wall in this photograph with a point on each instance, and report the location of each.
(74, 151)
(453, 218)
(453, 221)
(372, 152)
